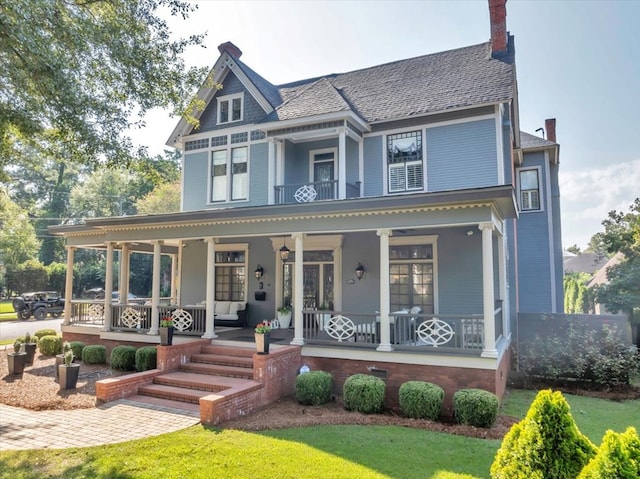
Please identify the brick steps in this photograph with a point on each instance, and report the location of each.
(236, 361)
(218, 370)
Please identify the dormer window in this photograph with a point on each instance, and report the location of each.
(404, 162)
(230, 108)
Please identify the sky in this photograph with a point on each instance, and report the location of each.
(577, 61)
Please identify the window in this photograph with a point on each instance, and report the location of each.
(529, 184)
(404, 161)
(411, 275)
(230, 108)
(237, 183)
(230, 276)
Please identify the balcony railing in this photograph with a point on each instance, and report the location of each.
(315, 191)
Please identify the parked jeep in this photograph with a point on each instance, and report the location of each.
(39, 304)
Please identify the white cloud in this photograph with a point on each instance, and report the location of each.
(588, 196)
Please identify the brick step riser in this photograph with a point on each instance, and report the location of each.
(212, 370)
(227, 351)
(188, 385)
(170, 396)
(222, 361)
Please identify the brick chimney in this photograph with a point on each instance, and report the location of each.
(550, 128)
(230, 48)
(498, 19)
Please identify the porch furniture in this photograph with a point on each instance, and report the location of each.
(340, 327)
(434, 332)
(231, 313)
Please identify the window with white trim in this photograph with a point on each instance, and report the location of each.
(412, 276)
(231, 275)
(404, 162)
(229, 174)
(230, 108)
(529, 189)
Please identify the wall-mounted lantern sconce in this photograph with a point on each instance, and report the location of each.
(469, 232)
(359, 271)
(259, 271)
(284, 253)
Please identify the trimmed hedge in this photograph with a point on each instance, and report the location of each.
(421, 400)
(546, 443)
(475, 407)
(45, 332)
(364, 393)
(50, 345)
(77, 347)
(618, 456)
(123, 358)
(314, 388)
(146, 358)
(94, 354)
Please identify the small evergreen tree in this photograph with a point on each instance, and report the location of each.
(618, 457)
(545, 444)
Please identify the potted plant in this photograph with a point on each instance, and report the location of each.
(284, 317)
(166, 331)
(68, 372)
(262, 334)
(66, 346)
(29, 348)
(16, 359)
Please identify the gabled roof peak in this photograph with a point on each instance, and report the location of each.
(230, 48)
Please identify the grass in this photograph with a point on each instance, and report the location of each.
(6, 311)
(323, 451)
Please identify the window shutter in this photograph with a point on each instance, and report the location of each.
(414, 176)
(535, 200)
(396, 177)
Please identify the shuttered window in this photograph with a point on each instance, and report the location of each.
(404, 162)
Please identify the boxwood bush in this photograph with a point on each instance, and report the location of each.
(421, 400)
(314, 388)
(77, 347)
(94, 354)
(45, 332)
(50, 345)
(123, 358)
(475, 407)
(146, 358)
(618, 456)
(363, 393)
(546, 443)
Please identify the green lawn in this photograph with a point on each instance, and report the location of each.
(6, 311)
(324, 451)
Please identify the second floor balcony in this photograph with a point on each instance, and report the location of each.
(313, 191)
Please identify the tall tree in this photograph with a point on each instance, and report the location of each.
(77, 74)
(622, 293)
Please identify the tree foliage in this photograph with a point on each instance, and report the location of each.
(18, 241)
(77, 75)
(163, 199)
(622, 234)
(577, 297)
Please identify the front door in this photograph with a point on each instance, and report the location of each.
(324, 175)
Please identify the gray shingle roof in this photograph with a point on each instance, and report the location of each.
(531, 141)
(453, 79)
(269, 91)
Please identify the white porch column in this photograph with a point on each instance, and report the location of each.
(361, 166)
(155, 288)
(342, 164)
(108, 288)
(210, 297)
(124, 272)
(174, 279)
(68, 287)
(502, 281)
(271, 175)
(385, 332)
(489, 350)
(298, 287)
(279, 162)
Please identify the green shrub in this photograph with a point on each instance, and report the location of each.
(618, 456)
(77, 347)
(421, 400)
(17, 346)
(146, 358)
(45, 332)
(123, 358)
(363, 393)
(475, 407)
(546, 443)
(94, 354)
(314, 388)
(50, 345)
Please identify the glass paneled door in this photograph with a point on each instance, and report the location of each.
(324, 175)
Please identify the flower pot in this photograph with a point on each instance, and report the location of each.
(262, 343)
(68, 376)
(284, 320)
(30, 349)
(166, 336)
(16, 362)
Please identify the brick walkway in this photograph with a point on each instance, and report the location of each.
(117, 421)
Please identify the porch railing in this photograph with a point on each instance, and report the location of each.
(313, 191)
(466, 331)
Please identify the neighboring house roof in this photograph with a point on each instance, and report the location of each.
(437, 82)
(601, 276)
(584, 262)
